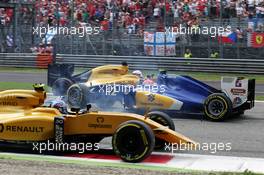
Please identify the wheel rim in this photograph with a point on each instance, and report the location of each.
(216, 107)
(74, 96)
(129, 142)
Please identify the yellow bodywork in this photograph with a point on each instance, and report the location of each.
(152, 101)
(13, 100)
(118, 74)
(111, 74)
(24, 121)
(38, 125)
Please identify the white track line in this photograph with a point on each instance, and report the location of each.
(217, 163)
(181, 161)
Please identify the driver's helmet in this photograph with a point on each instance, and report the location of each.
(137, 73)
(59, 104)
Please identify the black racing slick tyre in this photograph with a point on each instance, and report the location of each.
(76, 96)
(133, 141)
(60, 86)
(217, 107)
(165, 120)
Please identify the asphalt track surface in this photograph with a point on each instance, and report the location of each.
(245, 133)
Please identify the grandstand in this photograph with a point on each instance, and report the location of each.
(122, 23)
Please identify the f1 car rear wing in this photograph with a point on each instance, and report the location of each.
(241, 91)
(56, 71)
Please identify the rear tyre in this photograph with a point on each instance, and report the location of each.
(133, 141)
(60, 86)
(165, 120)
(217, 107)
(76, 96)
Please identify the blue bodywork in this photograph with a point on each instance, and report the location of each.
(187, 90)
(182, 88)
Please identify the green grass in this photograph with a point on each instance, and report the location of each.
(24, 70)
(16, 85)
(261, 98)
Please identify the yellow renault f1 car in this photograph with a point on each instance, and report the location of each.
(23, 119)
(60, 76)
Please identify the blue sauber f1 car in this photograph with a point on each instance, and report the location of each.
(174, 95)
(236, 96)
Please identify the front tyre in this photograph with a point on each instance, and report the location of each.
(165, 120)
(217, 107)
(133, 141)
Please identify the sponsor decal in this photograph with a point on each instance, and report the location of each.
(99, 124)
(151, 97)
(11, 128)
(59, 129)
(8, 103)
(8, 97)
(235, 91)
(100, 120)
(237, 101)
(238, 83)
(152, 104)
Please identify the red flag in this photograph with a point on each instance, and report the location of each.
(256, 40)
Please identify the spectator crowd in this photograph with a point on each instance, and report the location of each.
(134, 14)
